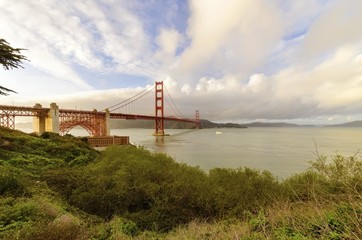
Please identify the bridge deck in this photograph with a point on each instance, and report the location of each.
(36, 111)
(23, 111)
(65, 119)
(146, 117)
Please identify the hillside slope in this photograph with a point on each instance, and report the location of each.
(28, 208)
(54, 187)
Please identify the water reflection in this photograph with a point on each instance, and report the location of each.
(160, 141)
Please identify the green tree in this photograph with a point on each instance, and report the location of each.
(9, 58)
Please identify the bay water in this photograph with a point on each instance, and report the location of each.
(282, 151)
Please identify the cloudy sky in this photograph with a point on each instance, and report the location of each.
(234, 60)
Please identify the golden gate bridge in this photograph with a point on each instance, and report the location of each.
(97, 123)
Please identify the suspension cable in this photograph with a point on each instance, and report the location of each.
(132, 100)
(124, 101)
(174, 111)
(177, 112)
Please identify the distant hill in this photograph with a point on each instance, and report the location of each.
(208, 124)
(348, 124)
(278, 124)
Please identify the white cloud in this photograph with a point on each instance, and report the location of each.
(48, 37)
(231, 38)
(252, 59)
(119, 33)
(168, 40)
(186, 88)
(61, 35)
(338, 25)
(257, 84)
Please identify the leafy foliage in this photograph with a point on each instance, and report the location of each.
(150, 189)
(39, 153)
(157, 193)
(54, 187)
(11, 185)
(9, 58)
(241, 190)
(344, 174)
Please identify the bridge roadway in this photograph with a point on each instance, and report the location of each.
(69, 118)
(23, 111)
(125, 115)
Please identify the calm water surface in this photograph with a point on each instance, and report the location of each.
(282, 151)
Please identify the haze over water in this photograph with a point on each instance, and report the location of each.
(282, 151)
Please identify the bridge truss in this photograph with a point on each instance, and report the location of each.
(92, 121)
(8, 113)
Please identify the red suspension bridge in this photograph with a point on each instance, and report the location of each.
(97, 123)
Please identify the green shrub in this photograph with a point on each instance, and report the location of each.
(327, 178)
(51, 230)
(15, 213)
(49, 150)
(11, 185)
(157, 193)
(49, 135)
(235, 191)
(343, 173)
(306, 186)
(120, 226)
(34, 164)
(150, 189)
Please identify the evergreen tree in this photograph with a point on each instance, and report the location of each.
(9, 58)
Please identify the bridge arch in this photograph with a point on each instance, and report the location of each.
(67, 126)
(93, 122)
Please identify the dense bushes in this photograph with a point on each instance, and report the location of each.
(25, 212)
(50, 150)
(157, 193)
(37, 218)
(16, 212)
(52, 187)
(328, 178)
(150, 189)
(11, 185)
(236, 191)
(344, 174)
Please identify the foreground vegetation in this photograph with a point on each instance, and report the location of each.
(55, 187)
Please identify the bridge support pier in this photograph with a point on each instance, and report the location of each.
(39, 121)
(107, 123)
(47, 123)
(52, 120)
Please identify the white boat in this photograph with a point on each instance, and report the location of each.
(218, 133)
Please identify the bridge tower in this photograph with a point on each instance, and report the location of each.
(197, 118)
(159, 110)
